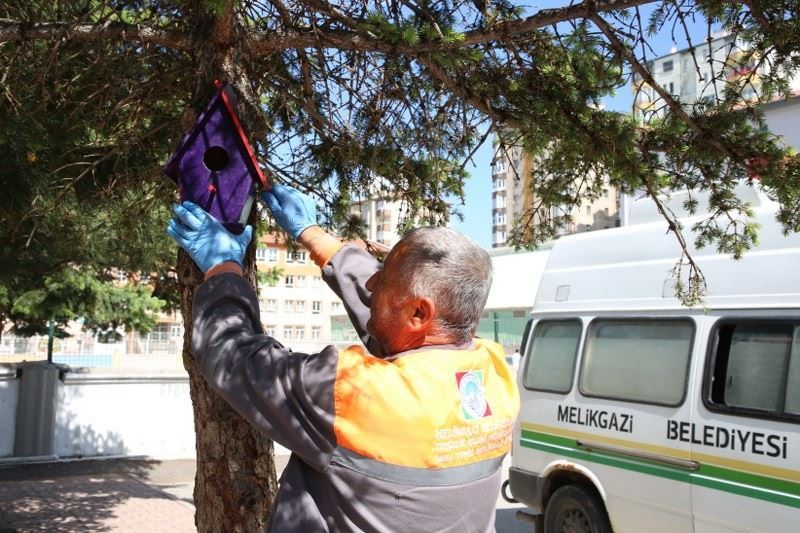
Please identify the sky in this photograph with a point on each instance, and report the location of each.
(477, 208)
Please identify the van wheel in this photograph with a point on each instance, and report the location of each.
(572, 509)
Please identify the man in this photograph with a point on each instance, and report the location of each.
(407, 436)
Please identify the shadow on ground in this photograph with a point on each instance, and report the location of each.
(73, 496)
(506, 521)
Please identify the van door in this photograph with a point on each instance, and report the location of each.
(745, 434)
(610, 425)
(639, 368)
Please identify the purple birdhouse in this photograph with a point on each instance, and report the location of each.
(215, 166)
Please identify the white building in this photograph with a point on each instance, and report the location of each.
(512, 196)
(699, 74)
(381, 216)
(510, 191)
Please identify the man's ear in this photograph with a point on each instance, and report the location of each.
(424, 314)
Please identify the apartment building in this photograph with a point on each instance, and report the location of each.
(512, 195)
(699, 74)
(381, 216)
(296, 304)
(510, 190)
(691, 75)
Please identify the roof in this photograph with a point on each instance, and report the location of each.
(215, 166)
(515, 279)
(631, 268)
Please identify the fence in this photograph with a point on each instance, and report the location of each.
(159, 350)
(504, 326)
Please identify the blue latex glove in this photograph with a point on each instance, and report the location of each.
(206, 241)
(291, 209)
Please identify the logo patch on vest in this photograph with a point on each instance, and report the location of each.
(473, 401)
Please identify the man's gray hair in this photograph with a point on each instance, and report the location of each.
(452, 270)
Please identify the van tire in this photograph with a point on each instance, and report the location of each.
(573, 509)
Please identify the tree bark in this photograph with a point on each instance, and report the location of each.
(235, 483)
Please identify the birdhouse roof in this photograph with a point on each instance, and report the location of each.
(224, 101)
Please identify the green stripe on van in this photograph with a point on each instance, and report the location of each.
(765, 488)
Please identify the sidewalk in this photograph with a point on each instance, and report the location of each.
(120, 495)
(97, 495)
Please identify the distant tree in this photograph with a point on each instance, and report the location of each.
(271, 276)
(95, 94)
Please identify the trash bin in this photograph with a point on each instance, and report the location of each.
(36, 409)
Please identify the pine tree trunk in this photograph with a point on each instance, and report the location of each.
(235, 483)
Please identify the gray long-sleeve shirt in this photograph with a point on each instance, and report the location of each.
(329, 484)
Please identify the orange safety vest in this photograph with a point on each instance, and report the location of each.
(450, 411)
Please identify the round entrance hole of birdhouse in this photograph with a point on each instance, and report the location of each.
(216, 158)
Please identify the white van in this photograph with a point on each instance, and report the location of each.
(641, 415)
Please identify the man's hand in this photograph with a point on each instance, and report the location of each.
(291, 209)
(206, 241)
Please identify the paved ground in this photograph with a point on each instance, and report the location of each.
(121, 495)
(91, 496)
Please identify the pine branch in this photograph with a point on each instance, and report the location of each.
(16, 31)
(264, 43)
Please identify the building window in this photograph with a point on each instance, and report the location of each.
(297, 257)
(272, 255)
(288, 306)
(288, 281)
(261, 254)
(316, 282)
(300, 306)
(316, 333)
(336, 307)
(269, 329)
(271, 305)
(667, 66)
(300, 281)
(316, 307)
(288, 332)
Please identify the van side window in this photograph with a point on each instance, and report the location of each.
(757, 368)
(639, 360)
(551, 355)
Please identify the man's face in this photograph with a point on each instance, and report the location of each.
(387, 307)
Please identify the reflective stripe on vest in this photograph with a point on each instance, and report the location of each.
(428, 409)
(455, 475)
